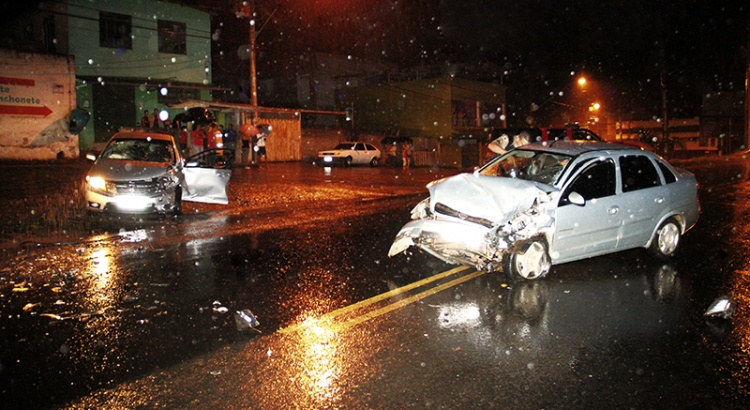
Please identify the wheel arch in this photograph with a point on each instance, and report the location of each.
(676, 216)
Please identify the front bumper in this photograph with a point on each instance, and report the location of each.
(329, 160)
(129, 203)
(454, 242)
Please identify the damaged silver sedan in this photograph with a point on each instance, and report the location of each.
(143, 172)
(554, 202)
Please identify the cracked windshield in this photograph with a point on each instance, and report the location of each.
(374, 204)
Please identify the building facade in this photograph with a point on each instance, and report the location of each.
(130, 57)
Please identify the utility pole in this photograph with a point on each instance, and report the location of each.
(242, 9)
(747, 91)
(253, 83)
(664, 111)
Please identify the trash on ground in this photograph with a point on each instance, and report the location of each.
(246, 320)
(723, 307)
(218, 308)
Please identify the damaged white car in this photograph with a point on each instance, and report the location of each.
(554, 202)
(143, 172)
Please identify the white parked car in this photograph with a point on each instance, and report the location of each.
(554, 202)
(349, 153)
(143, 172)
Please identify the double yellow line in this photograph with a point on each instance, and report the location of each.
(391, 294)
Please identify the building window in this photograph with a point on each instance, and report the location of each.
(115, 30)
(172, 38)
(50, 42)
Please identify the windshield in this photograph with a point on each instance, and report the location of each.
(539, 166)
(139, 150)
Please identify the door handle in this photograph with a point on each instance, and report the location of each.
(659, 200)
(613, 210)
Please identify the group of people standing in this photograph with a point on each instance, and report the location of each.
(153, 120)
(391, 143)
(214, 136)
(253, 141)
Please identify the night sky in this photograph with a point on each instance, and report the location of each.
(621, 46)
(535, 46)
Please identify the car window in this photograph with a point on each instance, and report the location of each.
(597, 180)
(585, 135)
(638, 172)
(344, 146)
(539, 166)
(669, 176)
(359, 147)
(370, 147)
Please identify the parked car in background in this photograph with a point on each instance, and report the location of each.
(349, 153)
(554, 202)
(142, 172)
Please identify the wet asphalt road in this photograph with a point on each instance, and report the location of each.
(141, 313)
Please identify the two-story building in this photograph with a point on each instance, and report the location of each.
(129, 57)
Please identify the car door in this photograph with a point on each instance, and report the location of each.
(592, 228)
(360, 153)
(206, 176)
(643, 200)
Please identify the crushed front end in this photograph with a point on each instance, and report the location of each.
(478, 229)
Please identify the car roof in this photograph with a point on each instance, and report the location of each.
(142, 135)
(576, 148)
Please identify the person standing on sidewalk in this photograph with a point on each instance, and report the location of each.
(406, 154)
(248, 131)
(145, 124)
(260, 150)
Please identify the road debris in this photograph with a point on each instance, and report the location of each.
(723, 307)
(246, 320)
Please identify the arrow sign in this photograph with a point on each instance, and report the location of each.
(17, 81)
(25, 110)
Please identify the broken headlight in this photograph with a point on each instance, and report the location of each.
(421, 210)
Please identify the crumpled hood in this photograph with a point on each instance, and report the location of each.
(118, 170)
(492, 198)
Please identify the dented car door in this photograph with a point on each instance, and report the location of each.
(206, 176)
(593, 227)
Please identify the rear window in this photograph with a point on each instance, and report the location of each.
(638, 172)
(669, 176)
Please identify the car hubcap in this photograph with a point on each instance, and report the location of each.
(534, 262)
(669, 235)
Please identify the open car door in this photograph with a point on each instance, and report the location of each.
(207, 176)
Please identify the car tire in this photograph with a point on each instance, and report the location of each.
(374, 162)
(666, 240)
(348, 162)
(527, 260)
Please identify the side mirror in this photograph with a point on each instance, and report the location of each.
(576, 199)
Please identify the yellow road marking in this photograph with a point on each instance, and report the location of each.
(393, 293)
(411, 299)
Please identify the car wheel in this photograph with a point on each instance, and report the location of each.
(528, 260)
(177, 205)
(374, 162)
(666, 239)
(348, 162)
